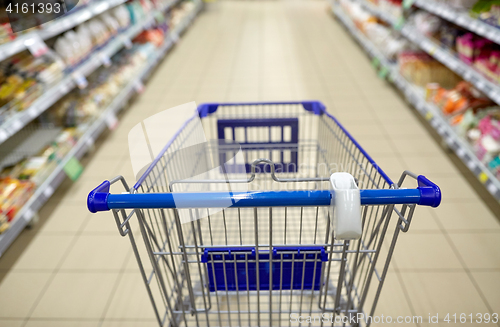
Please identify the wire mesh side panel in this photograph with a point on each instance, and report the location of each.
(191, 265)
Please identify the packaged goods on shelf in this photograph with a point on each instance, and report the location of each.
(179, 12)
(75, 46)
(460, 4)
(24, 78)
(13, 194)
(457, 100)
(473, 50)
(421, 69)
(482, 130)
(487, 11)
(383, 37)
(392, 7)
(74, 114)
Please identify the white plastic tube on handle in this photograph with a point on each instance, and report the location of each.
(346, 207)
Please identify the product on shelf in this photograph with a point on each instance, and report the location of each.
(383, 37)
(392, 7)
(13, 194)
(75, 46)
(179, 12)
(488, 11)
(421, 69)
(457, 100)
(23, 79)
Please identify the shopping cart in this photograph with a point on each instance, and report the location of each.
(272, 228)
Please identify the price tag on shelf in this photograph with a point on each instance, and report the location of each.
(175, 37)
(408, 3)
(3, 135)
(80, 80)
(483, 178)
(127, 42)
(492, 188)
(429, 115)
(28, 214)
(105, 60)
(111, 121)
(73, 168)
(36, 46)
(90, 142)
(17, 125)
(375, 62)
(48, 191)
(398, 25)
(383, 72)
(139, 87)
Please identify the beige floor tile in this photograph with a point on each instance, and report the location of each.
(442, 293)
(97, 252)
(11, 322)
(101, 223)
(363, 128)
(61, 323)
(479, 250)
(489, 283)
(407, 130)
(44, 252)
(466, 216)
(76, 296)
(424, 251)
(376, 147)
(392, 300)
(421, 146)
(454, 188)
(431, 164)
(122, 323)
(99, 169)
(131, 300)
(67, 219)
(423, 221)
(19, 291)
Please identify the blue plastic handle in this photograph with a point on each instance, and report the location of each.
(427, 194)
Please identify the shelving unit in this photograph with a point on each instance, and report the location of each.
(429, 111)
(448, 59)
(460, 18)
(86, 141)
(17, 121)
(50, 29)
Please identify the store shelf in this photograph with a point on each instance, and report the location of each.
(47, 188)
(368, 46)
(460, 18)
(492, 90)
(468, 73)
(429, 111)
(377, 12)
(17, 121)
(74, 18)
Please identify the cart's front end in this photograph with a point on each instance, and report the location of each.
(260, 214)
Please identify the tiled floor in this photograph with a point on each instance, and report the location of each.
(73, 268)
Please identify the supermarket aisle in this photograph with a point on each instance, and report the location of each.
(73, 269)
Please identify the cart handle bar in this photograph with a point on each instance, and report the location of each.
(426, 194)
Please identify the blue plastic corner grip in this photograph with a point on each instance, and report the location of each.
(98, 197)
(430, 193)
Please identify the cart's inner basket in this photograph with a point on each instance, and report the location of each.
(279, 137)
(220, 266)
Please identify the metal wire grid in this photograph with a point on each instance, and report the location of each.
(178, 281)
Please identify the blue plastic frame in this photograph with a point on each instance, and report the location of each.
(279, 166)
(222, 275)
